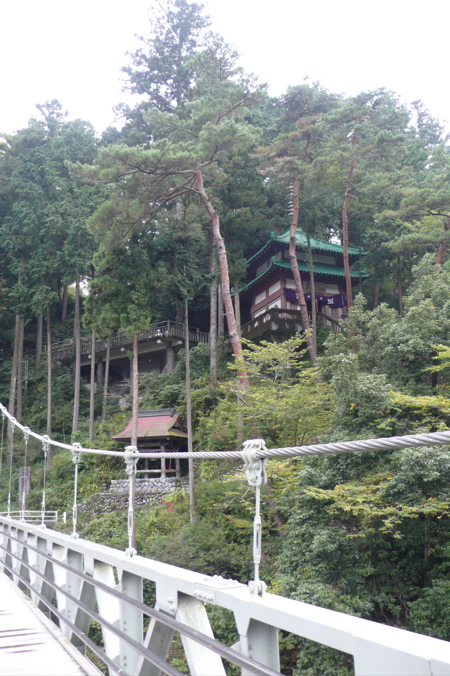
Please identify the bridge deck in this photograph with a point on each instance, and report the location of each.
(29, 644)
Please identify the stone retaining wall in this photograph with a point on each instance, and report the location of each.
(148, 492)
(157, 486)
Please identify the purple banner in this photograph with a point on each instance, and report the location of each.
(338, 300)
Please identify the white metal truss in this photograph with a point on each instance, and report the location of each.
(87, 580)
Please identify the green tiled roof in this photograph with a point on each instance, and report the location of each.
(316, 244)
(319, 269)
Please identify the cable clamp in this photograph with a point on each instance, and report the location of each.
(255, 467)
(131, 455)
(76, 452)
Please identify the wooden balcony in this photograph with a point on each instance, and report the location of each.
(284, 323)
(65, 349)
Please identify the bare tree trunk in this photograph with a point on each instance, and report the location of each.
(376, 292)
(92, 390)
(224, 276)
(20, 370)
(296, 273)
(64, 302)
(220, 315)
(399, 285)
(39, 327)
(13, 382)
(105, 387)
(189, 413)
(237, 308)
(441, 250)
(212, 318)
(77, 341)
(348, 278)
(313, 292)
(49, 382)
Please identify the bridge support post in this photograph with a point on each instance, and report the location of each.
(71, 583)
(39, 563)
(109, 608)
(159, 636)
(131, 619)
(158, 640)
(260, 642)
(201, 661)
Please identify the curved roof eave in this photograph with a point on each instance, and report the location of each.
(328, 270)
(316, 245)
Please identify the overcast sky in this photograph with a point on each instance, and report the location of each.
(73, 51)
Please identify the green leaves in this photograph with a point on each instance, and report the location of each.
(284, 404)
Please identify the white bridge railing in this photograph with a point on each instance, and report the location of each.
(78, 581)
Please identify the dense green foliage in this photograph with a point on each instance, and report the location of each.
(365, 534)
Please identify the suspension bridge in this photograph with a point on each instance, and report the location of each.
(70, 583)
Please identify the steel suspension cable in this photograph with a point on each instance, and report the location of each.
(384, 443)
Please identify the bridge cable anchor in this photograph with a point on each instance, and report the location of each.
(255, 470)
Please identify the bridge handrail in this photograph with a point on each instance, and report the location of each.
(180, 594)
(211, 643)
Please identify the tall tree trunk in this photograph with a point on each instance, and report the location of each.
(64, 302)
(237, 307)
(92, 390)
(399, 285)
(376, 294)
(220, 315)
(313, 292)
(20, 370)
(212, 317)
(77, 341)
(348, 278)
(39, 327)
(49, 382)
(13, 382)
(224, 276)
(442, 243)
(189, 413)
(105, 387)
(296, 273)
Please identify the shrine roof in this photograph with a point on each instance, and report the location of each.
(319, 269)
(162, 423)
(302, 243)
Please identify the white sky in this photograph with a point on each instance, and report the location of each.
(73, 51)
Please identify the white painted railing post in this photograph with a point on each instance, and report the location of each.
(131, 619)
(109, 608)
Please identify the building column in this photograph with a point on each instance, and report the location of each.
(170, 359)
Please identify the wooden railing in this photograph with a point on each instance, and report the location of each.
(66, 348)
(279, 319)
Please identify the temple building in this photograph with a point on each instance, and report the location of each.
(158, 429)
(268, 298)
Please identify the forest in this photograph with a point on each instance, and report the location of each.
(155, 220)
